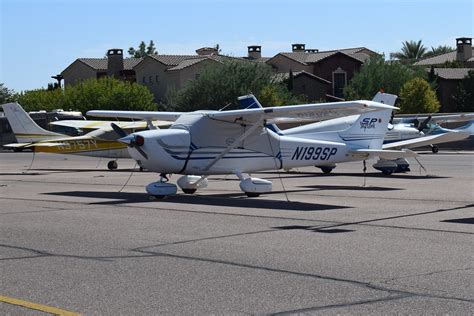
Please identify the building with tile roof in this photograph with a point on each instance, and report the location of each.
(114, 64)
(314, 88)
(330, 70)
(449, 78)
(463, 55)
(336, 66)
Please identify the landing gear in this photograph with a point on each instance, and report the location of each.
(326, 169)
(112, 165)
(253, 187)
(390, 166)
(386, 166)
(189, 184)
(434, 149)
(250, 194)
(189, 191)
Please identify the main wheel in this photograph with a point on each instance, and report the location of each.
(189, 191)
(326, 170)
(252, 194)
(112, 165)
(434, 149)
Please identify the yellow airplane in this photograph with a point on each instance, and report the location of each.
(99, 142)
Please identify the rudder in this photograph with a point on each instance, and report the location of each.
(24, 128)
(368, 131)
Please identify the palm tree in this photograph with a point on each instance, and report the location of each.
(441, 49)
(411, 51)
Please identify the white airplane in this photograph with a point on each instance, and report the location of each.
(418, 126)
(100, 142)
(203, 143)
(398, 136)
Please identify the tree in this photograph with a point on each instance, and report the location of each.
(7, 95)
(441, 49)
(411, 52)
(464, 94)
(143, 50)
(221, 83)
(376, 74)
(104, 94)
(417, 96)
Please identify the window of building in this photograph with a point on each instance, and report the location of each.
(196, 76)
(339, 81)
(150, 80)
(144, 79)
(157, 79)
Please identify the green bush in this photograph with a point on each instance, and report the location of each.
(417, 96)
(92, 94)
(376, 74)
(220, 84)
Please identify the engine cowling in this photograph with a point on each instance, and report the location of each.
(166, 150)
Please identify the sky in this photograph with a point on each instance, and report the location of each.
(40, 38)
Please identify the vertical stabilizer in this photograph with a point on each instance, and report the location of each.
(251, 102)
(23, 126)
(385, 98)
(368, 130)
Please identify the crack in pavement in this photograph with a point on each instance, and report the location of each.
(361, 302)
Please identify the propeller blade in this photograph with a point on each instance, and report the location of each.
(141, 151)
(119, 131)
(424, 124)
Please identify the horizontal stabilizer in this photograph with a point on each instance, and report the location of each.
(386, 154)
(16, 145)
(427, 140)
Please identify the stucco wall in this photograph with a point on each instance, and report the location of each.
(153, 75)
(78, 71)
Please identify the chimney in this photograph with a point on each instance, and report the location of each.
(206, 51)
(298, 48)
(254, 52)
(114, 62)
(463, 48)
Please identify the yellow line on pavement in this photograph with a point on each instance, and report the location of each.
(38, 307)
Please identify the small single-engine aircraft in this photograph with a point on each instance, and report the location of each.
(100, 142)
(398, 136)
(203, 143)
(412, 127)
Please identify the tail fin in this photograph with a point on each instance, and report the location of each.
(385, 98)
(23, 126)
(251, 102)
(368, 131)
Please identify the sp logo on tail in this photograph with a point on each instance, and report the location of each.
(369, 122)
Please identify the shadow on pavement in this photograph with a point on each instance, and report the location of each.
(227, 200)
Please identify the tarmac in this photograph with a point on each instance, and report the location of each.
(78, 238)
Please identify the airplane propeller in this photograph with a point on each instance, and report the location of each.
(135, 141)
(424, 124)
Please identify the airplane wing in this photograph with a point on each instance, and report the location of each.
(93, 125)
(139, 115)
(319, 111)
(439, 119)
(386, 154)
(427, 140)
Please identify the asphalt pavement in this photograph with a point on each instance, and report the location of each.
(78, 238)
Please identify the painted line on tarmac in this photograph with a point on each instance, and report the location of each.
(38, 307)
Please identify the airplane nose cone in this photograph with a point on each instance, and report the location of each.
(126, 140)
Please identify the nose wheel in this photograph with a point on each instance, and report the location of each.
(112, 165)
